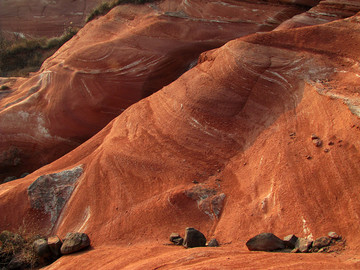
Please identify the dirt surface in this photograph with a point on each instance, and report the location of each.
(239, 123)
(163, 257)
(113, 62)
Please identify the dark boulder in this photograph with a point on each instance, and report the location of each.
(9, 179)
(55, 244)
(74, 242)
(41, 248)
(290, 240)
(265, 242)
(194, 238)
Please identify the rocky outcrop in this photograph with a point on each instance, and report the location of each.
(209, 200)
(49, 193)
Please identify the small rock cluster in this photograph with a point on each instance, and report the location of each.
(291, 243)
(193, 238)
(19, 253)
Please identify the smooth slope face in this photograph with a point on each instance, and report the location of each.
(113, 62)
(239, 123)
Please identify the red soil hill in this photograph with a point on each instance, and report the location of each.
(240, 123)
(113, 62)
(226, 148)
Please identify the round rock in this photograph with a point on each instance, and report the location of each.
(74, 242)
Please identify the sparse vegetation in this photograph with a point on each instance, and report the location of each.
(16, 251)
(105, 7)
(4, 87)
(22, 56)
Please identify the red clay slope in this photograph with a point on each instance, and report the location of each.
(325, 11)
(113, 62)
(240, 123)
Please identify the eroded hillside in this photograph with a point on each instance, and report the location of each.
(212, 120)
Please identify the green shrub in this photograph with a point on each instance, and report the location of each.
(13, 245)
(105, 7)
(20, 57)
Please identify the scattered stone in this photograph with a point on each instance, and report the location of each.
(9, 179)
(333, 235)
(176, 239)
(303, 244)
(24, 175)
(308, 157)
(292, 134)
(55, 244)
(50, 193)
(193, 238)
(321, 242)
(74, 242)
(265, 242)
(326, 150)
(213, 243)
(340, 141)
(324, 249)
(331, 143)
(317, 142)
(290, 240)
(314, 137)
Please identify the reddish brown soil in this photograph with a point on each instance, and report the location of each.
(112, 63)
(240, 122)
(157, 256)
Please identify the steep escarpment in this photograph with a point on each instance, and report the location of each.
(113, 62)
